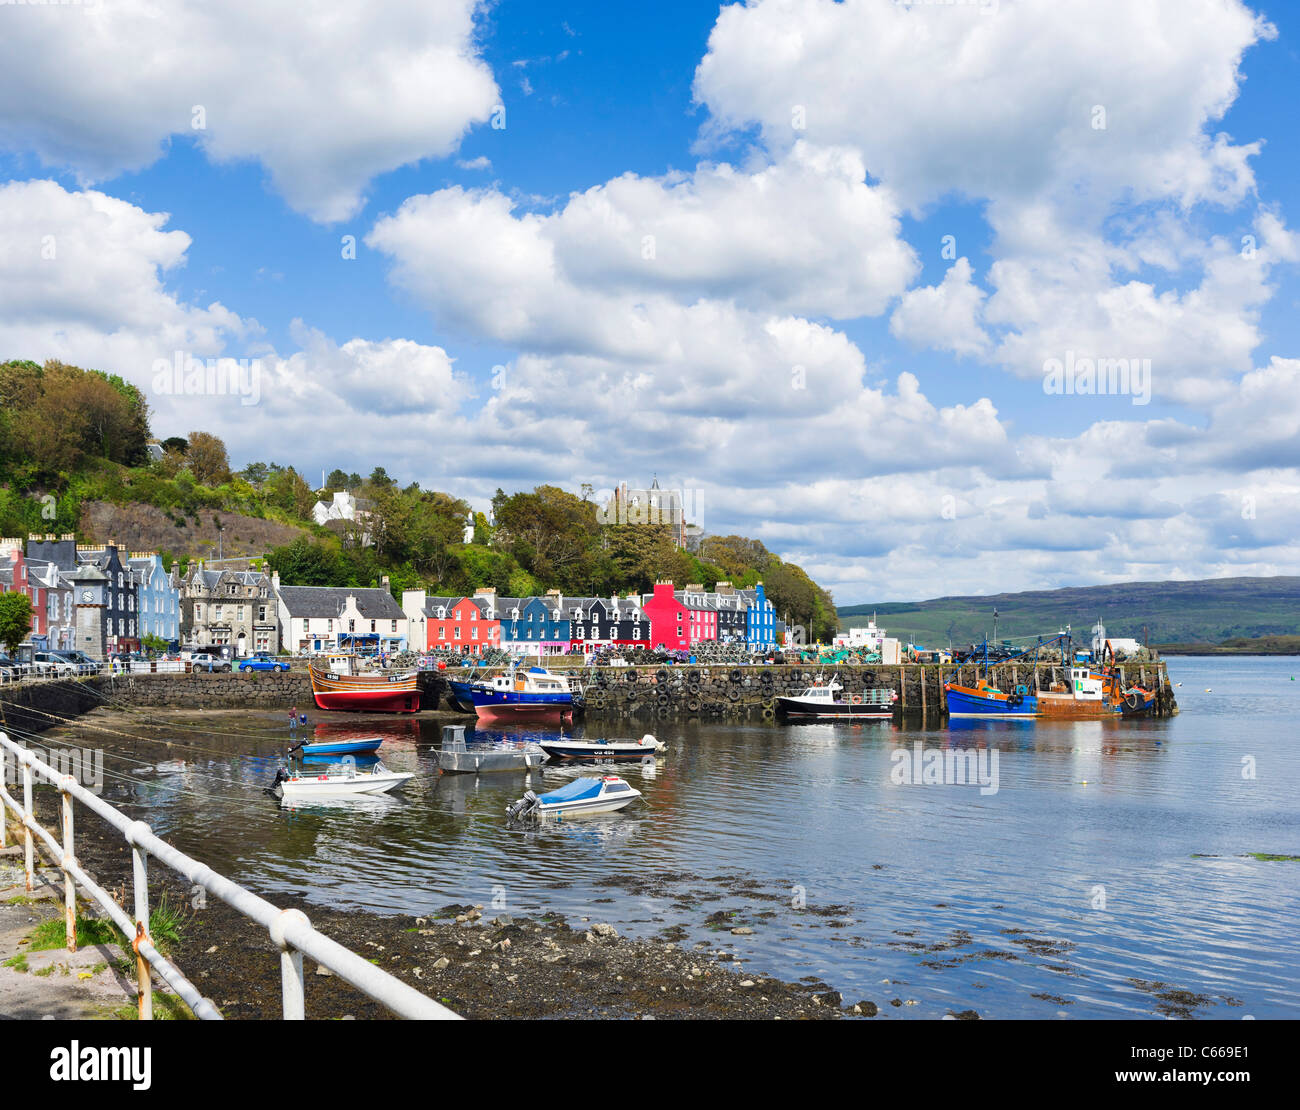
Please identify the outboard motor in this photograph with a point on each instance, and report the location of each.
(523, 808)
(281, 775)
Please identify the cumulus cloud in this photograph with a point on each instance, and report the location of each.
(324, 103)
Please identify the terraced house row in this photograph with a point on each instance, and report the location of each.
(94, 598)
(556, 624)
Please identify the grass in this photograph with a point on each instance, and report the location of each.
(18, 962)
(52, 934)
(1270, 857)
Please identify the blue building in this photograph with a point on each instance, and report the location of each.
(158, 598)
(760, 619)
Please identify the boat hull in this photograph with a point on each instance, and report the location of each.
(365, 693)
(793, 707)
(510, 705)
(334, 786)
(563, 749)
(344, 747)
(599, 805)
(965, 701)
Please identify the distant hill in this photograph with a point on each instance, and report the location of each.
(1209, 611)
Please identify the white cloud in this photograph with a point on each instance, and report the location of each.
(325, 101)
(944, 98)
(945, 317)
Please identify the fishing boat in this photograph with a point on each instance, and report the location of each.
(985, 700)
(339, 689)
(601, 749)
(340, 780)
(532, 694)
(828, 700)
(585, 795)
(1091, 693)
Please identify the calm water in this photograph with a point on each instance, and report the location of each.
(1110, 865)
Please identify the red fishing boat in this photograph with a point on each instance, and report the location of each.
(365, 693)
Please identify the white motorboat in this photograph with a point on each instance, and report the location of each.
(826, 699)
(338, 781)
(566, 748)
(585, 795)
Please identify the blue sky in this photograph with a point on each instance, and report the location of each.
(796, 349)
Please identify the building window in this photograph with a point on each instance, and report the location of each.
(372, 626)
(352, 626)
(394, 626)
(457, 633)
(442, 632)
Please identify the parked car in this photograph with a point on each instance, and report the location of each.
(79, 659)
(203, 661)
(52, 663)
(262, 661)
(10, 669)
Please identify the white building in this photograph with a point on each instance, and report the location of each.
(332, 619)
(869, 638)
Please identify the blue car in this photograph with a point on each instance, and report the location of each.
(262, 661)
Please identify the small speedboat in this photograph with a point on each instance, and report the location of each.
(585, 795)
(601, 749)
(340, 780)
(367, 746)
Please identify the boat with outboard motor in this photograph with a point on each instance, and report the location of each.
(340, 780)
(365, 746)
(568, 748)
(827, 700)
(584, 795)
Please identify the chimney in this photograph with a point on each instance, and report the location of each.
(725, 588)
(383, 581)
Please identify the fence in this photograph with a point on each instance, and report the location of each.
(292, 933)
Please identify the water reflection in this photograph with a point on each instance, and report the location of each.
(938, 888)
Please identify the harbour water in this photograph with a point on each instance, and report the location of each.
(1112, 873)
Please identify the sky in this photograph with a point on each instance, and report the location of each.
(930, 298)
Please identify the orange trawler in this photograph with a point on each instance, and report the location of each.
(339, 689)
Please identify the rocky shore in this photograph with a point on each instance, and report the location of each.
(480, 965)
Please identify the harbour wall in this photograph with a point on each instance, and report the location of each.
(644, 692)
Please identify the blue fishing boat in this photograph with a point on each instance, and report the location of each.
(535, 694)
(986, 700)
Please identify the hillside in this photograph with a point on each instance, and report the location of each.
(140, 527)
(1209, 611)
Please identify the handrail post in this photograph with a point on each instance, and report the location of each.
(140, 883)
(28, 845)
(293, 987)
(4, 785)
(69, 858)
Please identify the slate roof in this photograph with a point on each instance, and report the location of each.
(373, 603)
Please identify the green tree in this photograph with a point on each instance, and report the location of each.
(15, 619)
(306, 562)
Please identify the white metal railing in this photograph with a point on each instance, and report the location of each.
(293, 934)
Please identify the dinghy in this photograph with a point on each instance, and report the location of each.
(601, 749)
(585, 795)
(338, 781)
(367, 746)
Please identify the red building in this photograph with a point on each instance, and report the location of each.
(14, 578)
(669, 625)
(458, 624)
